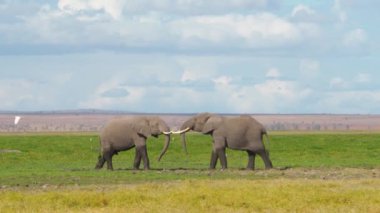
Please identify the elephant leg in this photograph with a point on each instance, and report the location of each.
(136, 163)
(101, 161)
(267, 162)
(108, 158)
(144, 155)
(221, 152)
(214, 159)
(251, 160)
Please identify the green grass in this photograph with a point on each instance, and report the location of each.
(70, 159)
(318, 172)
(327, 150)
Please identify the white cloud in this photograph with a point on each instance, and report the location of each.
(283, 90)
(3, 6)
(269, 96)
(261, 30)
(338, 83)
(301, 10)
(109, 25)
(355, 38)
(157, 30)
(117, 8)
(112, 7)
(62, 78)
(196, 68)
(148, 98)
(341, 13)
(364, 102)
(363, 78)
(188, 75)
(222, 81)
(280, 96)
(303, 13)
(133, 99)
(183, 99)
(309, 68)
(131, 102)
(11, 96)
(50, 26)
(25, 94)
(273, 73)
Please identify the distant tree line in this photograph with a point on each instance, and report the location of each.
(50, 128)
(288, 126)
(88, 127)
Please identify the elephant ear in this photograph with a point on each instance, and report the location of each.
(141, 126)
(211, 124)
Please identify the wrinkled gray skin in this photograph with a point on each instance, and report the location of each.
(239, 133)
(125, 133)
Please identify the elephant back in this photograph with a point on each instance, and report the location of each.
(117, 129)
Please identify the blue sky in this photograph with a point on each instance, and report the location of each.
(235, 56)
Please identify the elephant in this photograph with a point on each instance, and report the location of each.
(124, 133)
(237, 133)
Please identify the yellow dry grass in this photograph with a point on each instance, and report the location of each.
(281, 195)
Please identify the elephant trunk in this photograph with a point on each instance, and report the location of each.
(166, 146)
(182, 133)
(186, 126)
(183, 139)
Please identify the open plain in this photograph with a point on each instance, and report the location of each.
(52, 170)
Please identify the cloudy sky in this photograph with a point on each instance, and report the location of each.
(235, 56)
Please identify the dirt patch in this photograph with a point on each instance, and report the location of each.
(9, 151)
(324, 174)
(288, 173)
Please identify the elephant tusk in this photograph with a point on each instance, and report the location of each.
(167, 133)
(181, 131)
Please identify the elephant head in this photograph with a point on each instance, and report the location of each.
(195, 123)
(211, 124)
(153, 126)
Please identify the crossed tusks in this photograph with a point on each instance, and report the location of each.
(177, 132)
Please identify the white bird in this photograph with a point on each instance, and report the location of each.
(17, 119)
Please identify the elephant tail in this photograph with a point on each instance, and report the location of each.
(267, 147)
(100, 148)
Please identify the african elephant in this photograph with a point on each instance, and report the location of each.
(125, 133)
(239, 133)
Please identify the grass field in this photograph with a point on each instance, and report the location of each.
(313, 173)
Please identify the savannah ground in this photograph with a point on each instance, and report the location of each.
(314, 172)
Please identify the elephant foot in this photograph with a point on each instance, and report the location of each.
(269, 166)
(98, 166)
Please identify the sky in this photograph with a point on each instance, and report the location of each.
(189, 56)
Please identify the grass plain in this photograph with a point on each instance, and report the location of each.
(314, 172)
